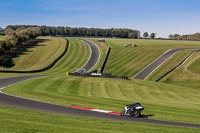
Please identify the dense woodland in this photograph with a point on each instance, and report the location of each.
(68, 31)
(18, 37)
(195, 36)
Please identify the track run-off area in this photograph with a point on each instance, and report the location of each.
(24, 103)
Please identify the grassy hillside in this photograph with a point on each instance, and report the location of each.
(129, 61)
(195, 66)
(40, 55)
(184, 75)
(167, 102)
(25, 121)
(76, 57)
(169, 64)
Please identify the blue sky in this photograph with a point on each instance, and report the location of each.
(159, 16)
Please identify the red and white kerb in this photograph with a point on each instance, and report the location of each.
(97, 110)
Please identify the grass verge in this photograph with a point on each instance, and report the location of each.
(167, 102)
(76, 57)
(41, 54)
(24, 121)
(184, 76)
(128, 61)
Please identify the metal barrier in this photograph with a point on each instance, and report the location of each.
(105, 75)
(105, 60)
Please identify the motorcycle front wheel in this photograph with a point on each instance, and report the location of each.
(122, 113)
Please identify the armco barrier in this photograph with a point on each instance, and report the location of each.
(105, 75)
(43, 69)
(105, 60)
(176, 66)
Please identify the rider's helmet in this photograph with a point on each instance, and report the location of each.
(136, 102)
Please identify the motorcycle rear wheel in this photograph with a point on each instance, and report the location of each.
(136, 113)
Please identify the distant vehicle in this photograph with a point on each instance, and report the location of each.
(132, 110)
(125, 45)
(101, 40)
(134, 45)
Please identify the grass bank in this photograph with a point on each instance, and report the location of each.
(128, 61)
(186, 75)
(39, 55)
(76, 57)
(23, 121)
(167, 102)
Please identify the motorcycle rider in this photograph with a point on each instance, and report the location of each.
(136, 104)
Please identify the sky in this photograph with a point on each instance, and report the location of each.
(163, 17)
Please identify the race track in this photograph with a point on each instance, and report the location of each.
(155, 64)
(94, 57)
(18, 102)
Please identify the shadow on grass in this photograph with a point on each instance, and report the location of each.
(8, 62)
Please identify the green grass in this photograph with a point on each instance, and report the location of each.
(2, 37)
(24, 121)
(176, 102)
(194, 67)
(183, 76)
(167, 102)
(76, 57)
(169, 64)
(40, 55)
(129, 61)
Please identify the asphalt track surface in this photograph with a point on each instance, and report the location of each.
(24, 103)
(95, 55)
(151, 67)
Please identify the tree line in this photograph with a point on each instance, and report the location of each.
(79, 31)
(16, 38)
(195, 36)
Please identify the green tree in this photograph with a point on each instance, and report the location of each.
(152, 36)
(145, 34)
(132, 35)
(170, 36)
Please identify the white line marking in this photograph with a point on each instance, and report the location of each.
(91, 55)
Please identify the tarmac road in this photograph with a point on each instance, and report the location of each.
(95, 55)
(151, 67)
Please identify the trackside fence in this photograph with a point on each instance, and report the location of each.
(105, 75)
(105, 60)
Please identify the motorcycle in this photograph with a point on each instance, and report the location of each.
(132, 111)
